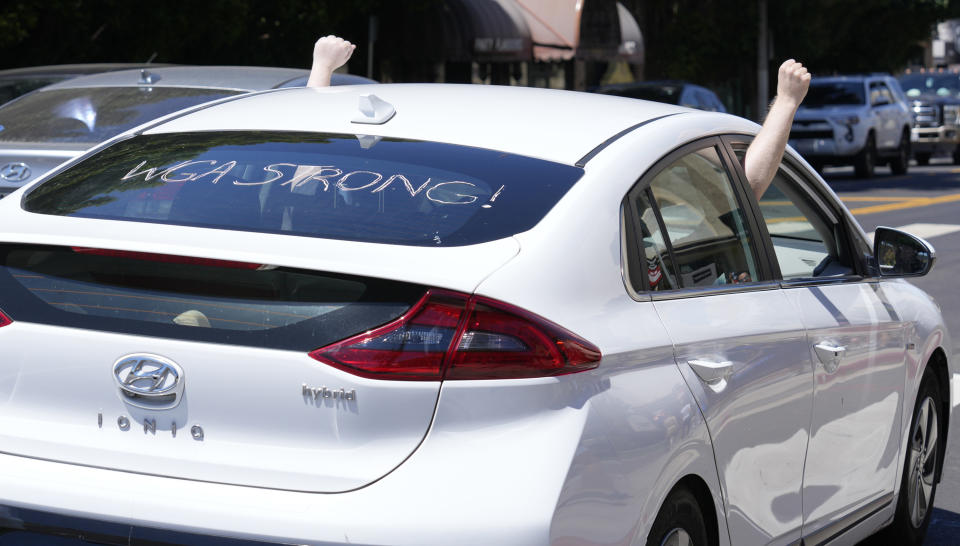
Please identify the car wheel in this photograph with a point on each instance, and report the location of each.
(680, 522)
(922, 159)
(864, 162)
(956, 156)
(900, 163)
(918, 484)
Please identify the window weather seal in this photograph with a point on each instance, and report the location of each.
(582, 162)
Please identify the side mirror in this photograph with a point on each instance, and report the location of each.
(899, 254)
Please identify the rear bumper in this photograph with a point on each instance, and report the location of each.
(25, 526)
(72, 501)
(462, 478)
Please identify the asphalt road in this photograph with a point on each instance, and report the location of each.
(926, 202)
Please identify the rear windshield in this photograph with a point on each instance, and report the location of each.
(94, 114)
(356, 188)
(829, 94)
(11, 88)
(199, 300)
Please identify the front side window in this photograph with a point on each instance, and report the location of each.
(801, 239)
(707, 239)
(879, 94)
(804, 235)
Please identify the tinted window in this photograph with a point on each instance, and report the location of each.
(331, 186)
(825, 94)
(91, 115)
(707, 234)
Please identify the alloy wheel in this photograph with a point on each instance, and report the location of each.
(923, 461)
(676, 537)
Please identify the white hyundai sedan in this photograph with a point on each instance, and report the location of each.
(439, 314)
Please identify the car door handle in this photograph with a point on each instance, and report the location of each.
(712, 373)
(830, 355)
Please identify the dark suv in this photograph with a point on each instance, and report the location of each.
(935, 101)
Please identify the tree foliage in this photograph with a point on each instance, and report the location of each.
(714, 42)
(237, 32)
(711, 42)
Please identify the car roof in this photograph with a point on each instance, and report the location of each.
(244, 78)
(68, 70)
(562, 126)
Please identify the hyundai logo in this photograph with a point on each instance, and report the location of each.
(149, 381)
(15, 172)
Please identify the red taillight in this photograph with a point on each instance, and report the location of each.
(501, 341)
(167, 258)
(447, 335)
(4, 319)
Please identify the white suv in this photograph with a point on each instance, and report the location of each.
(858, 120)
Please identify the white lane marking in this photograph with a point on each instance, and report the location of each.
(926, 231)
(955, 391)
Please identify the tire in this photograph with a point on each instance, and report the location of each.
(922, 158)
(901, 163)
(918, 484)
(680, 521)
(865, 161)
(956, 156)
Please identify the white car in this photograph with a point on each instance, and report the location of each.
(441, 314)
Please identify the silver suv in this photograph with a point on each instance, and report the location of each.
(858, 120)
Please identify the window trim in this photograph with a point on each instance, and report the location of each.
(630, 229)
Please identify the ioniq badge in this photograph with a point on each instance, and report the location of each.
(149, 381)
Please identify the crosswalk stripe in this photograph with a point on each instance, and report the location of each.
(927, 231)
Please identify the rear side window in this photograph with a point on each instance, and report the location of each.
(690, 229)
(358, 188)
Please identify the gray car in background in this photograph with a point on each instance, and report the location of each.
(18, 81)
(668, 91)
(42, 129)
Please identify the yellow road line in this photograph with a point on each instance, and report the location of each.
(848, 199)
(908, 203)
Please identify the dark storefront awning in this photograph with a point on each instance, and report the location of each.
(600, 30)
(542, 30)
(485, 31)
